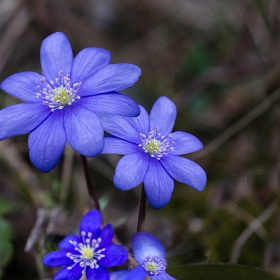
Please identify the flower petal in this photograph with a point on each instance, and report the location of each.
(106, 234)
(114, 77)
(87, 62)
(119, 275)
(158, 185)
(91, 222)
(23, 86)
(162, 276)
(56, 259)
(21, 119)
(65, 244)
(115, 255)
(131, 170)
(97, 273)
(84, 130)
(142, 122)
(46, 143)
(145, 245)
(121, 127)
(185, 171)
(112, 103)
(74, 273)
(137, 274)
(118, 146)
(185, 143)
(163, 115)
(56, 55)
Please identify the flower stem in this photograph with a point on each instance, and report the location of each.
(142, 211)
(90, 186)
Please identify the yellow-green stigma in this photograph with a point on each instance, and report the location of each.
(58, 93)
(154, 265)
(151, 267)
(87, 253)
(153, 146)
(156, 144)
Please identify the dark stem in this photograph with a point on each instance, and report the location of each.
(91, 190)
(142, 211)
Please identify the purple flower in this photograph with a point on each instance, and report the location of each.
(152, 152)
(62, 105)
(90, 254)
(150, 255)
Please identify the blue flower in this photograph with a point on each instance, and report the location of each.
(152, 152)
(90, 254)
(150, 255)
(62, 105)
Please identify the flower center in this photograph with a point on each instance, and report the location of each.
(59, 93)
(156, 144)
(87, 252)
(154, 266)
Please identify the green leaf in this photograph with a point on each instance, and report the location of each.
(221, 272)
(5, 207)
(6, 248)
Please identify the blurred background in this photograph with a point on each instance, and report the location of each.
(219, 61)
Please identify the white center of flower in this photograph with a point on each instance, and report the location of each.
(87, 253)
(59, 93)
(156, 144)
(154, 266)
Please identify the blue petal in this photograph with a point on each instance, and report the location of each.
(21, 119)
(114, 77)
(56, 259)
(97, 273)
(163, 276)
(118, 146)
(185, 143)
(106, 234)
(158, 185)
(74, 274)
(87, 62)
(119, 275)
(23, 86)
(146, 245)
(56, 55)
(185, 171)
(137, 274)
(65, 245)
(46, 143)
(131, 170)
(121, 127)
(115, 255)
(112, 103)
(142, 122)
(163, 115)
(84, 130)
(91, 222)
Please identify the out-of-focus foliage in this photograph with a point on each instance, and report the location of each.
(219, 61)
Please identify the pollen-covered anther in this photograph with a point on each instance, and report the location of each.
(154, 265)
(156, 144)
(58, 93)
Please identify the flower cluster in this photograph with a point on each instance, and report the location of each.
(152, 152)
(90, 254)
(62, 104)
(74, 101)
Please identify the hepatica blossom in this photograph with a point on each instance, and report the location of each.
(61, 105)
(150, 255)
(90, 254)
(152, 152)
